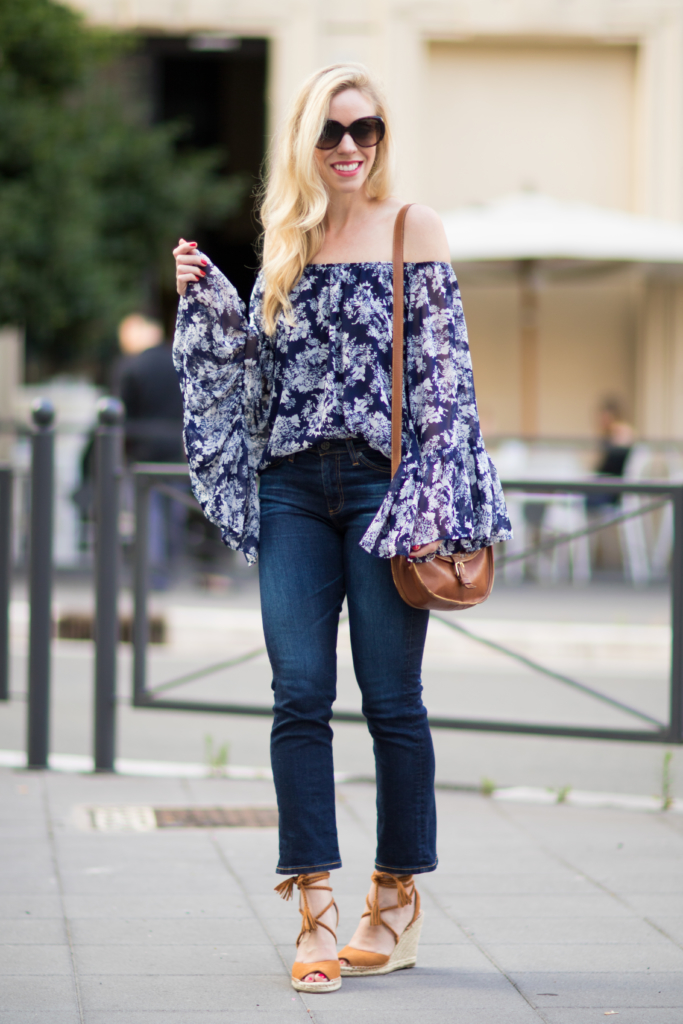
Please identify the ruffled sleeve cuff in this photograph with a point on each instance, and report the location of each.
(209, 350)
(455, 497)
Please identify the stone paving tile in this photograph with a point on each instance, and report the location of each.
(293, 1011)
(565, 931)
(31, 994)
(499, 882)
(22, 831)
(658, 881)
(115, 993)
(170, 905)
(209, 931)
(16, 878)
(656, 905)
(574, 958)
(608, 989)
(34, 960)
(627, 1015)
(30, 904)
(422, 992)
(451, 1013)
(466, 908)
(673, 926)
(137, 852)
(106, 880)
(199, 961)
(29, 931)
(39, 1017)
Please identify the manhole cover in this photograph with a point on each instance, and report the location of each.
(147, 819)
(216, 817)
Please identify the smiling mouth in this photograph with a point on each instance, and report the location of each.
(347, 169)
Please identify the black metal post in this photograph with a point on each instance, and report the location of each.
(5, 573)
(676, 694)
(108, 471)
(140, 587)
(40, 582)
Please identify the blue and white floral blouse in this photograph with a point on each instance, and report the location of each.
(251, 399)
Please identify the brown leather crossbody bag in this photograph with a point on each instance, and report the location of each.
(448, 582)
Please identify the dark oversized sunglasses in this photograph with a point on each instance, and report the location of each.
(365, 132)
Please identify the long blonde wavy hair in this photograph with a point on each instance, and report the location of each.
(295, 198)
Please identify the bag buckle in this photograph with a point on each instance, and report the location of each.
(462, 577)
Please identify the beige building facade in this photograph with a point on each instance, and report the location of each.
(578, 99)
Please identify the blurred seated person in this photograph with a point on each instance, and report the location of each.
(616, 442)
(147, 383)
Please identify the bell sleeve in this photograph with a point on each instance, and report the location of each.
(447, 488)
(217, 353)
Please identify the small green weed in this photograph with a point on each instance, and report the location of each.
(487, 786)
(216, 760)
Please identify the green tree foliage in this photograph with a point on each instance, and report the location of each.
(91, 197)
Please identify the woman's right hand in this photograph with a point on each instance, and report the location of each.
(188, 265)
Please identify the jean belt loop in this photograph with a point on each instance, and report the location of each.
(353, 455)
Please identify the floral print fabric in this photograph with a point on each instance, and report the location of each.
(251, 399)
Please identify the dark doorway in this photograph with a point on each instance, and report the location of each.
(216, 88)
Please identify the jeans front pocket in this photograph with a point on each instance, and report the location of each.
(378, 462)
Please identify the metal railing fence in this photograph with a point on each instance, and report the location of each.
(165, 479)
(160, 477)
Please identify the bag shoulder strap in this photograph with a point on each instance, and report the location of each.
(397, 342)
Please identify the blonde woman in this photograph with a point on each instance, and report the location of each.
(299, 395)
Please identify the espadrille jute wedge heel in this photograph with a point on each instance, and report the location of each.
(330, 968)
(362, 961)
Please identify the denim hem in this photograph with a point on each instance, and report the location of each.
(407, 871)
(309, 869)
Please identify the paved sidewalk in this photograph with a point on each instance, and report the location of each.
(537, 913)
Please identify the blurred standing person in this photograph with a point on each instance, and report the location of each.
(147, 383)
(616, 442)
(298, 397)
(616, 438)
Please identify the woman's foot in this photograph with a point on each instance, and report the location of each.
(378, 938)
(318, 944)
(317, 941)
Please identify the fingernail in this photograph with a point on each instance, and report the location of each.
(415, 547)
(205, 263)
(202, 273)
(192, 243)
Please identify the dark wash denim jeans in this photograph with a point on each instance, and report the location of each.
(315, 507)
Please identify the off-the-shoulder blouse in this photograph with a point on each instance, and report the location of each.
(251, 399)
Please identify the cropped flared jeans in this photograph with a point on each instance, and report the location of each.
(315, 507)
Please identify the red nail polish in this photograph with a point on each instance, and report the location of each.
(202, 273)
(415, 547)
(191, 243)
(205, 263)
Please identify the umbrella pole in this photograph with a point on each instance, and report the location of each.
(528, 337)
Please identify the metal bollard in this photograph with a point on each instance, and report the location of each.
(140, 588)
(40, 582)
(5, 574)
(108, 472)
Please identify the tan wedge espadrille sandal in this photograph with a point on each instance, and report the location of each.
(362, 961)
(330, 968)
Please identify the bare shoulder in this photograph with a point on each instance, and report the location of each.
(425, 237)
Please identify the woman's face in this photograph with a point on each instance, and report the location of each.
(346, 168)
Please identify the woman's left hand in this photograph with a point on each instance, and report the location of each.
(426, 549)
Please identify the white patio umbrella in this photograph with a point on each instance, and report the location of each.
(527, 228)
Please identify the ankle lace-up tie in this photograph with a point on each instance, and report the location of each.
(405, 888)
(303, 883)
